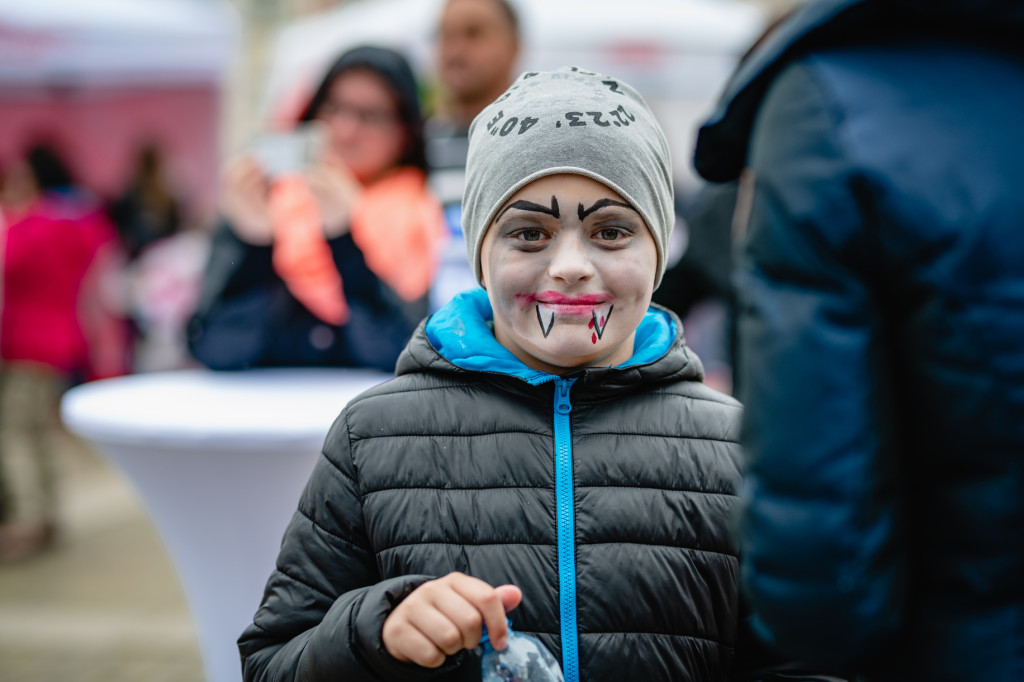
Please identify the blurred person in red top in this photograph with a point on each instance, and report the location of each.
(54, 331)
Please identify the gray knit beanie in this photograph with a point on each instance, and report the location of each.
(567, 121)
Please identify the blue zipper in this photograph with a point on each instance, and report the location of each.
(566, 531)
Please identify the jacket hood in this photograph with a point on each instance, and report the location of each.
(723, 140)
(459, 338)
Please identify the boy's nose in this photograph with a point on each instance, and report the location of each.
(570, 262)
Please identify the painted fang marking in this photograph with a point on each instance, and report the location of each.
(600, 325)
(545, 329)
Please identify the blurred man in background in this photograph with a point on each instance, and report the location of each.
(881, 326)
(477, 48)
(478, 42)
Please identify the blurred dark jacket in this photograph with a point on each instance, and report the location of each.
(246, 317)
(882, 334)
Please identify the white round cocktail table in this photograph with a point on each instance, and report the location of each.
(219, 460)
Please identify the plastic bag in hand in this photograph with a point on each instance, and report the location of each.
(525, 659)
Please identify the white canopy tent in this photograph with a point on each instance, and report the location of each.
(102, 77)
(678, 53)
(115, 41)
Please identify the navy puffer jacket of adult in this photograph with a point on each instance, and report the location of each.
(614, 485)
(882, 334)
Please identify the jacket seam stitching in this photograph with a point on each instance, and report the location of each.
(596, 486)
(304, 583)
(445, 435)
(456, 489)
(462, 544)
(591, 434)
(709, 640)
(260, 628)
(553, 544)
(460, 386)
(328, 533)
(669, 489)
(454, 385)
(661, 544)
(337, 468)
(696, 398)
(351, 455)
(353, 633)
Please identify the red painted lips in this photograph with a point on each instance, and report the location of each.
(566, 304)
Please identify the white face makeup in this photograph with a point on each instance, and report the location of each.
(569, 269)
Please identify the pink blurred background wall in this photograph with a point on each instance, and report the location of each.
(99, 129)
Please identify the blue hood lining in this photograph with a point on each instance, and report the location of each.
(461, 334)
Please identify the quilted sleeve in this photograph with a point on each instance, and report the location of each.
(822, 541)
(324, 606)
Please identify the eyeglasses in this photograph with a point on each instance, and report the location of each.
(374, 118)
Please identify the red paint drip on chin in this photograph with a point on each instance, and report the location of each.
(593, 338)
(590, 325)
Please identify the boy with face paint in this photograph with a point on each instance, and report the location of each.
(547, 447)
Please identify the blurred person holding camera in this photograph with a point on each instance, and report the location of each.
(328, 264)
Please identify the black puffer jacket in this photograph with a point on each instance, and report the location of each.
(449, 468)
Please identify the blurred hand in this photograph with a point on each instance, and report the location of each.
(445, 616)
(243, 200)
(336, 190)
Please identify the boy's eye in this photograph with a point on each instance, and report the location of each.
(530, 235)
(610, 234)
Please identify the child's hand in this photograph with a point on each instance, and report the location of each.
(444, 616)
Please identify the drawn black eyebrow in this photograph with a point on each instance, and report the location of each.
(530, 206)
(601, 203)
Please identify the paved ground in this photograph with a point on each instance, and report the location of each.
(104, 605)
